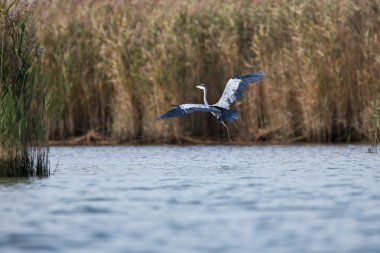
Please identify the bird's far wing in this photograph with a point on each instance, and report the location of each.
(235, 88)
(184, 109)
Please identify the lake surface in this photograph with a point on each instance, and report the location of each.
(169, 199)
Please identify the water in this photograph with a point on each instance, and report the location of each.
(197, 199)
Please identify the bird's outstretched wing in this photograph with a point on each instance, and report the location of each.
(235, 88)
(184, 109)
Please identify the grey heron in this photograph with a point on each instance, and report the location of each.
(221, 110)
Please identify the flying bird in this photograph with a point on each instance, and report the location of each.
(221, 110)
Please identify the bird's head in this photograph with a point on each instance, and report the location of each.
(201, 86)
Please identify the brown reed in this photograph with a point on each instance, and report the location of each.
(113, 66)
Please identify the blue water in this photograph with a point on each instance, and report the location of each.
(197, 199)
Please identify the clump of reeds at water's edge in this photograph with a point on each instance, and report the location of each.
(23, 136)
(114, 66)
(375, 125)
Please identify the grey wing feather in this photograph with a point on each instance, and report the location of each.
(235, 88)
(184, 109)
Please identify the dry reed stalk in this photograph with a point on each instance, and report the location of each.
(114, 66)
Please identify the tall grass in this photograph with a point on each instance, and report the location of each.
(113, 66)
(22, 114)
(375, 125)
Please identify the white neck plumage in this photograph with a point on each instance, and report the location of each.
(205, 96)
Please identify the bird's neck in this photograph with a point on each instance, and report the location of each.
(205, 96)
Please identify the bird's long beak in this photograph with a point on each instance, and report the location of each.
(199, 87)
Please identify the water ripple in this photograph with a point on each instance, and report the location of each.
(197, 199)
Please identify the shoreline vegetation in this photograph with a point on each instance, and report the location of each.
(73, 142)
(113, 66)
(23, 135)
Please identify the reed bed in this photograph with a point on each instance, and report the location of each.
(23, 134)
(113, 66)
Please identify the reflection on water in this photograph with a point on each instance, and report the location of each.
(197, 199)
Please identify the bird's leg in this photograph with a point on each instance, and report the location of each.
(236, 127)
(228, 132)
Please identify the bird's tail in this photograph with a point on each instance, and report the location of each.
(229, 116)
